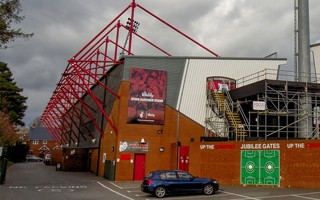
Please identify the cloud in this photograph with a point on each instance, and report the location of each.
(232, 28)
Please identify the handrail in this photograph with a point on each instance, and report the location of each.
(274, 74)
(240, 110)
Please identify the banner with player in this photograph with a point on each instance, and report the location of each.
(147, 96)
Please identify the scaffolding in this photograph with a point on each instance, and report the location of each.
(287, 104)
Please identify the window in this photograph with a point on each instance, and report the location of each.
(35, 142)
(171, 175)
(163, 176)
(44, 142)
(184, 175)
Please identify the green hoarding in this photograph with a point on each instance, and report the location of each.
(260, 167)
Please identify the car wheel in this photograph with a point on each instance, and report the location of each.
(159, 192)
(208, 189)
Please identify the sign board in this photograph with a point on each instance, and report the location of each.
(259, 105)
(316, 115)
(133, 147)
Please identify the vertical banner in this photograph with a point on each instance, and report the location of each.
(147, 96)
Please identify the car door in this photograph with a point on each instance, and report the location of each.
(171, 181)
(188, 183)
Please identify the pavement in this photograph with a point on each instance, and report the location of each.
(37, 181)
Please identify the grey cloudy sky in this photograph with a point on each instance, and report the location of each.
(231, 28)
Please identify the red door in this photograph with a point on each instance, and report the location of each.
(184, 158)
(139, 167)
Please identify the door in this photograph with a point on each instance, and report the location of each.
(184, 158)
(139, 167)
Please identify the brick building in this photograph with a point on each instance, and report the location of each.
(41, 142)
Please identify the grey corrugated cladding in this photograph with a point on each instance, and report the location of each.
(173, 65)
(186, 77)
(39, 133)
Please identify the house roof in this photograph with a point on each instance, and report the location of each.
(39, 133)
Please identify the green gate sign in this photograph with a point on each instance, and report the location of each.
(260, 167)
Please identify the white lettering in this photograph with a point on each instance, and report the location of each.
(147, 94)
(261, 146)
(295, 145)
(204, 146)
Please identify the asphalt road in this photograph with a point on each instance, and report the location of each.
(36, 181)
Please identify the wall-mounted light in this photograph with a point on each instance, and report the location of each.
(67, 144)
(161, 149)
(159, 131)
(142, 141)
(94, 140)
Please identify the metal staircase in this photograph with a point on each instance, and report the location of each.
(226, 108)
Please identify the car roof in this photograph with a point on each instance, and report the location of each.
(167, 170)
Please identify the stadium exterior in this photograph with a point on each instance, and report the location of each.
(234, 119)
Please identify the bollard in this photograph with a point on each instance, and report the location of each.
(3, 170)
(58, 166)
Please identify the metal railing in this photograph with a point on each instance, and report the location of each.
(273, 74)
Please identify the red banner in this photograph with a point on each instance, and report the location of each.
(147, 96)
(220, 83)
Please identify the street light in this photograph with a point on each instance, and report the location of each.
(135, 27)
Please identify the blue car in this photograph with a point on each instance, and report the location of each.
(163, 182)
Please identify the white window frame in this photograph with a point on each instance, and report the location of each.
(35, 142)
(44, 142)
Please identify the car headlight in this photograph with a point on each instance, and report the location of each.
(215, 182)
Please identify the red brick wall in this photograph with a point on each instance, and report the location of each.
(299, 161)
(167, 139)
(35, 148)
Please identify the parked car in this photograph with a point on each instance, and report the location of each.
(162, 182)
(33, 158)
(47, 159)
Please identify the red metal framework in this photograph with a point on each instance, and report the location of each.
(86, 68)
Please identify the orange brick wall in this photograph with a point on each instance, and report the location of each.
(94, 160)
(56, 156)
(299, 161)
(167, 139)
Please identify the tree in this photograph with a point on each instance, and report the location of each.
(36, 123)
(8, 135)
(9, 15)
(12, 102)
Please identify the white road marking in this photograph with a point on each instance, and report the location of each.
(115, 191)
(115, 185)
(304, 197)
(239, 195)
